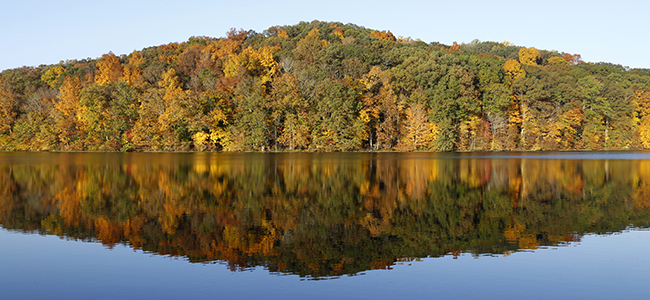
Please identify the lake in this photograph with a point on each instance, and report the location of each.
(561, 225)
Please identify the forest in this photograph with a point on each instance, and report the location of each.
(325, 86)
(321, 217)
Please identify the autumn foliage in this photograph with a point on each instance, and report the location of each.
(324, 87)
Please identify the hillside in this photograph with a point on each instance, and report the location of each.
(325, 87)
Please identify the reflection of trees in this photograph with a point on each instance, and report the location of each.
(322, 214)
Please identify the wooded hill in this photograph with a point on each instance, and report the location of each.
(323, 86)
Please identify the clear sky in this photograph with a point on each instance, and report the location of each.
(34, 32)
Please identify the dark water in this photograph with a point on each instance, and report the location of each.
(324, 225)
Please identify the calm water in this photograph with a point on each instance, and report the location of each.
(322, 226)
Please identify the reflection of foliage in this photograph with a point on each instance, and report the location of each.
(322, 215)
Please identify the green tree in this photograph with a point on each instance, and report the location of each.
(337, 126)
(597, 112)
(454, 99)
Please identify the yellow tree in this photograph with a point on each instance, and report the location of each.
(529, 56)
(295, 133)
(54, 76)
(370, 111)
(132, 74)
(223, 49)
(67, 108)
(338, 31)
(219, 119)
(174, 99)
(254, 63)
(68, 103)
(282, 33)
(170, 80)
(109, 69)
(513, 70)
(389, 129)
(8, 105)
(418, 131)
(517, 109)
(156, 126)
(200, 138)
(455, 47)
(383, 35)
(173, 120)
(567, 126)
(179, 114)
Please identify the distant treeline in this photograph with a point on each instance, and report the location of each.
(325, 87)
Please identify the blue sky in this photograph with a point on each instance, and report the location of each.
(46, 32)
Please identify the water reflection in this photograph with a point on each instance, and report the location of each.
(322, 215)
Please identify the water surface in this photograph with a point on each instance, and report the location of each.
(324, 225)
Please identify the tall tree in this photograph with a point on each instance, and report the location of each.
(418, 131)
(67, 116)
(454, 99)
(388, 131)
(250, 130)
(597, 111)
(336, 123)
(289, 113)
(8, 107)
(109, 69)
(642, 103)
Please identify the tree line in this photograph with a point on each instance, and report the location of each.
(324, 86)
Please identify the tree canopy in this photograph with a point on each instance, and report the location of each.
(325, 86)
